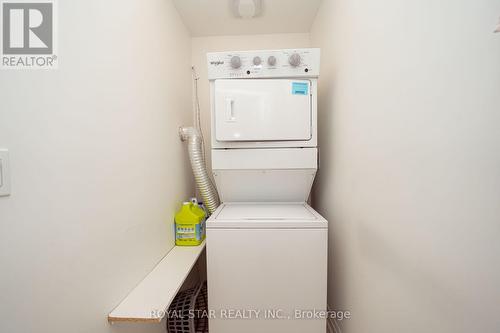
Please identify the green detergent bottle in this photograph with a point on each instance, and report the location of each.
(190, 225)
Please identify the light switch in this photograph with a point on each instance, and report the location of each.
(4, 173)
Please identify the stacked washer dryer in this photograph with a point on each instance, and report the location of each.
(266, 248)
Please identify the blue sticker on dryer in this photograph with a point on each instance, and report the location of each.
(300, 88)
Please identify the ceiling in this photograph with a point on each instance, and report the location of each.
(214, 17)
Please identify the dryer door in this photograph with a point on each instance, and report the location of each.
(263, 110)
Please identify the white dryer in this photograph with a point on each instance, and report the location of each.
(266, 248)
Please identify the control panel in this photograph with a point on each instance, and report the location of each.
(263, 64)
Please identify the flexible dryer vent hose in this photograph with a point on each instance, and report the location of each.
(205, 186)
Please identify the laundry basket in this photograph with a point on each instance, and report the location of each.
(181, 317)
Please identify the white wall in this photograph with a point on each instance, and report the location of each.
(97, 166)
(410, 174)
(202, 45)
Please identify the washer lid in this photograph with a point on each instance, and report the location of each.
(265, 215)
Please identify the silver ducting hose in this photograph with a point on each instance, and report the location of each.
(203, 182)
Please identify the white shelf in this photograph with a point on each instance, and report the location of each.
(150, 300)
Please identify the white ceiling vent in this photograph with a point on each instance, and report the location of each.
(246, 9)
(225, 17)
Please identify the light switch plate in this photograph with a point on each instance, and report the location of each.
(4, 173)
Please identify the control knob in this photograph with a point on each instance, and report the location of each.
(235, 62)
(294, 59)
(257, 61)
(271, 61)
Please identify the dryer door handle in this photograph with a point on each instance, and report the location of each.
(230, 117)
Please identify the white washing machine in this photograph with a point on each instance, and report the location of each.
(266, 247)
